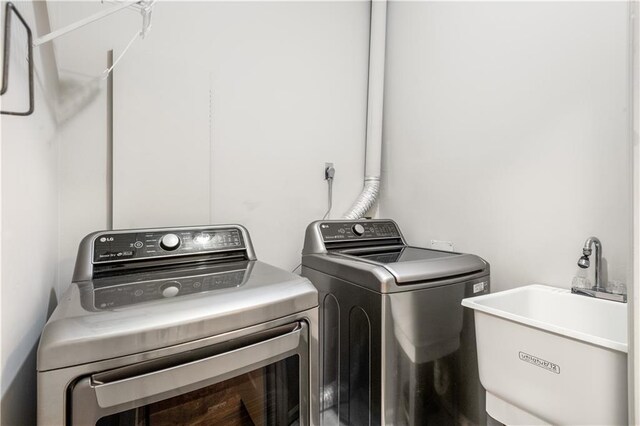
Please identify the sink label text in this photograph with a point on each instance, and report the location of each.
(539, 362)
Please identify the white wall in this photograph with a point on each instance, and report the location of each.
(29, 219)
(506, 132)
(82, 57)
(83, 197)
(227, 112)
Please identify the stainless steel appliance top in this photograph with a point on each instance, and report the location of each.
(375, 254)
(195, 283)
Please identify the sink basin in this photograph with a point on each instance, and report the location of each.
(547, 356)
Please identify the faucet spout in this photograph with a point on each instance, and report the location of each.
(584, 262)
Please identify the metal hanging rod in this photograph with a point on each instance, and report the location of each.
(10, 9)
(145, 8)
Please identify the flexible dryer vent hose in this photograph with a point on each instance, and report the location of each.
(365, 200)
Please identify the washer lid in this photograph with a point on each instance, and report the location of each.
(400, 254)
(78, 333)
(413, 264)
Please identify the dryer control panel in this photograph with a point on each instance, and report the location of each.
(361, 230)
(119, 246)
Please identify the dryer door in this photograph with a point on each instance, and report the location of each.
(259, 379)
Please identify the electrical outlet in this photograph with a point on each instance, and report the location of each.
(329, 171)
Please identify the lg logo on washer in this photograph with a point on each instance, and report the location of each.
(106, 239)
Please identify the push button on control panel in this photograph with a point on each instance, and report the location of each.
(358, 229)
(170, 242)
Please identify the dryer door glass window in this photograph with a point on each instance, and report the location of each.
(266, 396)
(256, 379)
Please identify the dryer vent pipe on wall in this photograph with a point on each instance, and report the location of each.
(369, 195)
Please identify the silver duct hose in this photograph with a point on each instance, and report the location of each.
(365, 200)
(369, 195)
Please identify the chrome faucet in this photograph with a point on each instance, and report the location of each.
(584, 261)
(599, 289)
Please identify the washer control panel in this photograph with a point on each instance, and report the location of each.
(140, 245)
(339, 231)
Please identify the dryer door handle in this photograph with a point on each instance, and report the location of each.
(183, 378)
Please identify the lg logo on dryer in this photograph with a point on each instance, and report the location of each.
(539, 362)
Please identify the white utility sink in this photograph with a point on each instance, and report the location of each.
(547, 356)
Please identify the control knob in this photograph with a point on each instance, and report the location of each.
(170, 289)
(170, 242)
(358, 229)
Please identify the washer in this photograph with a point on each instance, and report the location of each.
(397, 348)
(179, 326)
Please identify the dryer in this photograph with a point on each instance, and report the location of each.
(397, 348)
(179, 326)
